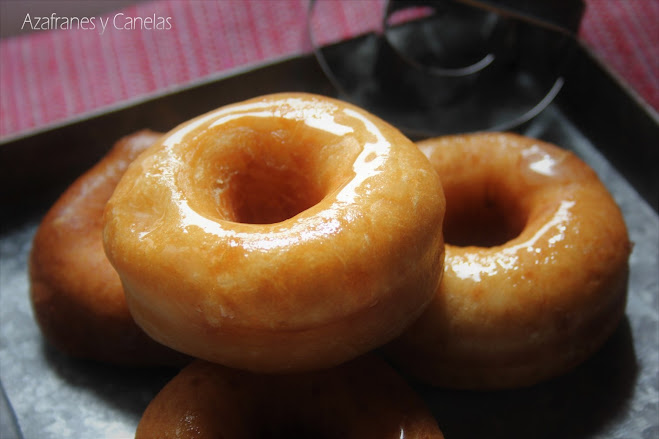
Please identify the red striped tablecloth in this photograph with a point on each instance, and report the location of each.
(48, 76)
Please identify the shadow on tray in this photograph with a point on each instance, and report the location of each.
(576, 405)
(128, 389)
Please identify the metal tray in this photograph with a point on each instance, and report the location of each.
(614, 394)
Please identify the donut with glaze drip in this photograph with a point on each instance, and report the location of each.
(285, 233)
(536, 266)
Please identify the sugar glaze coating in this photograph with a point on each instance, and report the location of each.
(285, 233)
(536, 266)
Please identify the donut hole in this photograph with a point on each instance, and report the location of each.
(282, 417)
(292, 430)
(267, 193)
(481, 217)
(256, 176)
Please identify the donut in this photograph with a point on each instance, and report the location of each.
(363, 399)
(76, 295)
(285, 233)
(536, 266)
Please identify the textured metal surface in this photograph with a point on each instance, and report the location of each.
(615, 394)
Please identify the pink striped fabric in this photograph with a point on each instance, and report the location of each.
(50, 76)
(625, 35)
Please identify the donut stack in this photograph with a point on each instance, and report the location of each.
(275, 243)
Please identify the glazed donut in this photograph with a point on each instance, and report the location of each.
(76, 295)
(364, 398)
(536, 266)
(285, 233)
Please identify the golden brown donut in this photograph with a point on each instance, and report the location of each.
(361, 399)
(536, 266)
(76, 295)
(285, 233)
